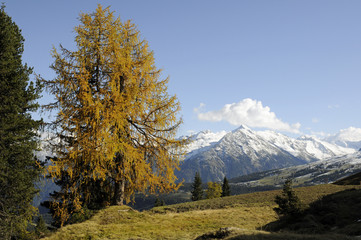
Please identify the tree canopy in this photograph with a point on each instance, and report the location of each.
(116, 122)
(214, 190)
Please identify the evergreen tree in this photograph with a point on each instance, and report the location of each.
(18, 133)
(288, 203)
(117, 124)
(214, 190)
(41, 229)
(159, 202)
(226, 191)
(197, 190)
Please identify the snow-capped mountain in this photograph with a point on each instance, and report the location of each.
(350, 138)
(305, 147)
(202, 140)
(245, 151)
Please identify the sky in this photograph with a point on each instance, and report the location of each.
(288, 66)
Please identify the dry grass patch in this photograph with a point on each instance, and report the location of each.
(125, 223)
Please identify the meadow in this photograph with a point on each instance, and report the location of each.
(236, 217)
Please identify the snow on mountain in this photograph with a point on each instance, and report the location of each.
(239, 152)
(308, 148)
(244, 151)
(202, 140)
(349, 137)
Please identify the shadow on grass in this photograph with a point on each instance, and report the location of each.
(286, 236)
(239, 234)
(335, 213)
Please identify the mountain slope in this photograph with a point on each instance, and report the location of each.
(239, 152)
(202, 141)
(314, 173)
(244, 151)
(305, 147)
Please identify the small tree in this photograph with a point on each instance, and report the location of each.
(226, 191)
(288, 203)
(159, 202)
(197, 190)
(214, 190)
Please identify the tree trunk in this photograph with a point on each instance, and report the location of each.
(119, 188)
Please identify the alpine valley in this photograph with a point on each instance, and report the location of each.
(245, 151)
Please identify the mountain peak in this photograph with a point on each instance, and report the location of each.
(242, 127)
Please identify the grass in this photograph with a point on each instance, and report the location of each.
(124, 223)
(246, 214)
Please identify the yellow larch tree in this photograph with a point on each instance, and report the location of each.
(116, 122)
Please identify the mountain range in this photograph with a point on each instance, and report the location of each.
(244, 151)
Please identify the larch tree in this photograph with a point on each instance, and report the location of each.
(214, 190)
(19, 168)
(116, 122)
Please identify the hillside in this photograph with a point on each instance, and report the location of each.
(325, 171)
(338, 212)
(354, 179)
(241, 216)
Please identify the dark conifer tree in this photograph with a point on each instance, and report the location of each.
(18, 133)
(226, 191)
(197, 190)
(289, 204)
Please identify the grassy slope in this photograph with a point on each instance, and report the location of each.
(246, 212)
(354, 179)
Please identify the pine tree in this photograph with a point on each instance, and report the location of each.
(197, 190)
(226, 191)
(214, 190)
(117, 122)
(288, 203)
(18, 133)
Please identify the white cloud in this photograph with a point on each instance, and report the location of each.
(333, 106)
(248, 112)
(315, 120)
(200, 108)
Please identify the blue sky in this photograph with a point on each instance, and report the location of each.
(291, 66)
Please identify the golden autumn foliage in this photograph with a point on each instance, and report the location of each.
(214, 190)
(116, 122)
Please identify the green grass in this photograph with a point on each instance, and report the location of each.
(247, 213)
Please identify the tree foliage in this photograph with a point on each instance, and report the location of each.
(214, 190)
(18, 133)
(226, 190)
(288, 203)
(159, 202)
(197, 190)
(116, 121)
